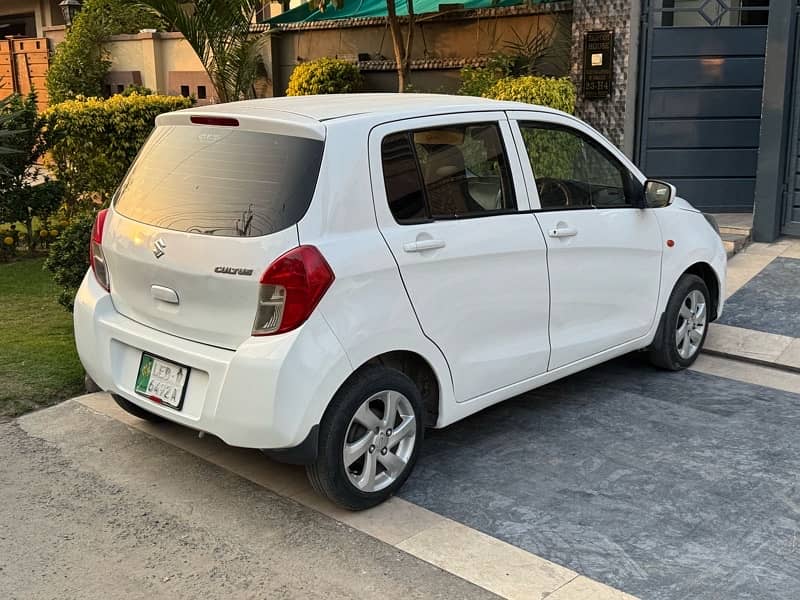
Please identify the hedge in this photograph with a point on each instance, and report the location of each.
(546, 91)
(93, 141)
(324, 76)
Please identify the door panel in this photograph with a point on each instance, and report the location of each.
(482, 297)
(478, 285)
(604, 255)
(604, 279)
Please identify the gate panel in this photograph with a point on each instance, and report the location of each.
(700, 105)
(23, 67)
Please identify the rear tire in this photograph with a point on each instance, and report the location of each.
(131, 408)
(684, 328)
(369, 439)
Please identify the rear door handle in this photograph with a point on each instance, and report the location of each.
(559, 232)
(422, 245)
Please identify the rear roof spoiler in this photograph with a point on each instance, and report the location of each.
(262, 120)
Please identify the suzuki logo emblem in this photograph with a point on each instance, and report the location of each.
(158, 248)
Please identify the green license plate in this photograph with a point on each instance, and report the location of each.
(162, 381)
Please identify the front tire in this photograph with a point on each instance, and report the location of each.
(369, 439)
(685, 326)
(131, 408)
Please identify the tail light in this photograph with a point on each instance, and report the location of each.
(291, 288)
(96, 257)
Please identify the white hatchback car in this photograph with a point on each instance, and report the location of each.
(323, 277)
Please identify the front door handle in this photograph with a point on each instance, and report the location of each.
(423, 245)
(560, 232)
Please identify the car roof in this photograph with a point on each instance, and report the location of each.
(336, 106)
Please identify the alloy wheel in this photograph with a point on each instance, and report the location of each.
(379, 441)
(691, 325)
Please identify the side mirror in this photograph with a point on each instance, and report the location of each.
(658, 194)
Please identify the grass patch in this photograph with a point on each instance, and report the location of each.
(39, 364)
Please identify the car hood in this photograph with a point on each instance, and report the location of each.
(682, 204)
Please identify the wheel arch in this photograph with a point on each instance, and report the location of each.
(709, 276)
(419, 370)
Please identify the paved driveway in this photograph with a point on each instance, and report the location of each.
(770, 301)
(665, 485)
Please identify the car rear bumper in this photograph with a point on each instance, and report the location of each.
(268, 394)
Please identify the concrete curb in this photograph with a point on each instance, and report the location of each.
(753, 361)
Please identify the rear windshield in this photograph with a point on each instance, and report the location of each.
(221, 181)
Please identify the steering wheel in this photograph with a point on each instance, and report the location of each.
(551, 189)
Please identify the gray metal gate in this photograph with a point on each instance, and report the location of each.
(792, 216)
(700, 98)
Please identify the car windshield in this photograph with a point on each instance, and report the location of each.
(221, 181)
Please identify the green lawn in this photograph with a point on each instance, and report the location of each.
(38, 362)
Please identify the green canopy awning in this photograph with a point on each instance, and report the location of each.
(357, 9)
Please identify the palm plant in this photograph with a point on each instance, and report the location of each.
(7, 118)
(219, 32)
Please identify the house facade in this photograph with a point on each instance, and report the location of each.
(705, 94)
(29, 18)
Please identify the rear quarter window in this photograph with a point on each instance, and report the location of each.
(221, 181)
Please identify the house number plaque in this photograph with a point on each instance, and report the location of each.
(598, 64)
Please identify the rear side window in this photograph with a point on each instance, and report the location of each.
(446, 173)
(221, 181)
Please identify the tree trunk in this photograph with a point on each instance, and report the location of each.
(409, 42)
(402, 48)
(29, 228)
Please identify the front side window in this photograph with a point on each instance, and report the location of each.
(572, 171)
(447, 172)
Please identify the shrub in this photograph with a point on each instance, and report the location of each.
(93, 141)
(135, 88)
(324, 76)
(546, 91)
(80, 64)
(69, 257)
(476, 81)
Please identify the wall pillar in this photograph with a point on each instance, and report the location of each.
(614, 116)
(771, 191)
(151, 61)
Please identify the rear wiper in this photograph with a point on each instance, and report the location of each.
(247, 220)
(207, 231)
